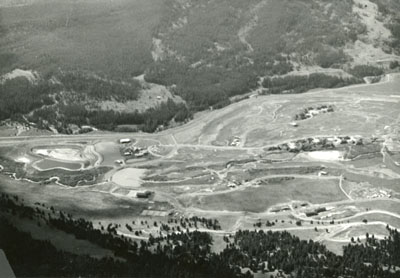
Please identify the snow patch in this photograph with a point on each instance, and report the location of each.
(64, 154)
(23, 159)
(32, 76)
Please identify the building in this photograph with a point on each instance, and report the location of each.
(311, 213)
(141, 153)
(323, 173)
(143, 195)
(125, 141)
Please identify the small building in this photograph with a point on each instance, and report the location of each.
(319, 210)
(141, 153)
(231, 185)
(322, 173)
(125, 141)
(74, 129)
(292, 145)
(294, 124)
(143, 195)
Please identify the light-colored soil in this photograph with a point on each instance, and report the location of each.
(48, 164)
(368, 49)
(128, 177)
(326, 155)
(32, 76)
(368, 12)
(65, 154)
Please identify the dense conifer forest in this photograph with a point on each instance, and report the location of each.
(186, 253)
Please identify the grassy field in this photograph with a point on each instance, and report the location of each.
(259, 199)
(370, 229)
(380, 217)
(86, 202)
(363, 110)
(375, 181)
(390, 206)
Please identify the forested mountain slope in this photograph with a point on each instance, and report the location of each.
(203, 51)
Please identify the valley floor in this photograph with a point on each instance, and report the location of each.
(330, 177)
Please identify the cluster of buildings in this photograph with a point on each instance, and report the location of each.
(311, 112)
(312, 144)
(318, 211)
(133, 150)
(371, 193)
(234, 184)
(340, 140)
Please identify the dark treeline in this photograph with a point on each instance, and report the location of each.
(86, 87)
(19, 96)
(270, 251)
(362, 71)
(147, 121)
(188, 254)
(34, 258)
(203, 87)
(376, 253)
(177, 255)
(395, 29)
(300, 84)
(206, 87)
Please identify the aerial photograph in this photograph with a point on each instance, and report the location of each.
(200, 138)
